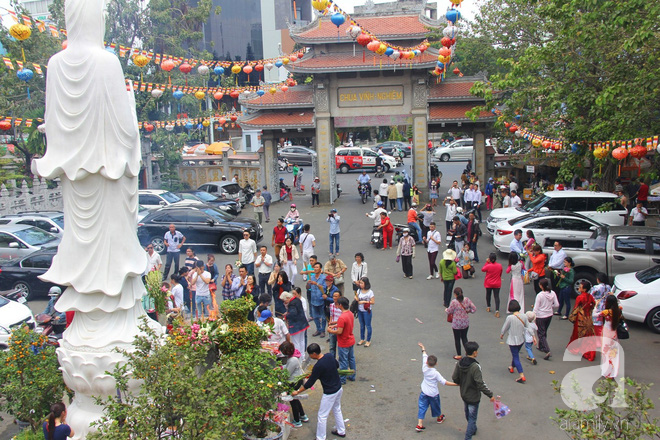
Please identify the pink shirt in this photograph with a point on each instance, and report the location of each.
(493, 275)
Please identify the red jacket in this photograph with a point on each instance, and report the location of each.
(493, 275)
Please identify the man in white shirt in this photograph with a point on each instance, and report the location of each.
(638, 215)
(468, 196)
(264, 265)
(455, 192)
(153, 259)
(375, 214)
(279, 330)
(513, 185)
(399, 195)
(515, 200)
(382, 191)
(434, 239)
(516, 245)
(173, 239)
(307, 243)
(247, 252)
(201, 279)
(506, 200)
(556, 263)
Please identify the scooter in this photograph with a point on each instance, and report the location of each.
(364, 192)
(380, 173)
(49, 328)
(15, 295)
(249, 192)
(293, 228)
(377, 237)
(283, 165)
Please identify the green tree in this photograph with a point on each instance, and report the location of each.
(395, 135)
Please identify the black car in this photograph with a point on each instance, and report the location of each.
(391, 148)
(226, 205)
(202, 225)
(22, 273)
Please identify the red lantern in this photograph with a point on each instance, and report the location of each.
(446, 42)
(234, 94)
(620, 153)
(65, 44)
(185, 68)
(444, 51)
(285, 88)
(363, 39)
(259, 67)
(638, 152)
(546, 144)
(167, 65)
(293, 58)
(507, 124)
(233, 118)
(5, 125)
(218, 95)
(556, 146)
(149, 128)
(291, 82)
(513, 129)
(222, 121)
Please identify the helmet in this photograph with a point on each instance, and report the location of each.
(380, 203)
(54, 291)
(459, 209)
(293, 205)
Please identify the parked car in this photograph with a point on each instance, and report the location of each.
(567, 227)
(12, 316)
(230, 206)
(391, 147)
(202, 225)
(460, 149)
(613, 250)
(17, 241)
(297, 155)
(357, 158)
(49, 221)
(580, 202)
(22, 274)
(142, 212)
(157, 198)
(639, 296)
(225, 189)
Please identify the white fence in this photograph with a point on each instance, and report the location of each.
(23, 198)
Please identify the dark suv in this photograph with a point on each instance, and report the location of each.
(202, 225)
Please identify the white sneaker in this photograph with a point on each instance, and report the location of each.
(430, 277)
(437, 274)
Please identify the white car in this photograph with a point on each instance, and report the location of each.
(579, 202)
(460, 149)
(639, 296)
(569, 228)
(358, 158)
(12, 315)
(157, 198)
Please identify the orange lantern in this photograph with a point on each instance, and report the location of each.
(222, 121)
(167, 65)
(234, 94)
(507, 124)
(65, 44)
(185, 68)
(513, 129)
(546, 144)
(218, 95)
(285, 88)
(148, 128)
(247, 69)
(233, 118)
(620, 153)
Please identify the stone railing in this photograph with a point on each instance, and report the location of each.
(23, 198)
(197, 170)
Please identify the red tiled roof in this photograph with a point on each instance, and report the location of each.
(281, 119)
(385, 27)
(455, 112)
(450, 89)
(348, 62)
(294, 97)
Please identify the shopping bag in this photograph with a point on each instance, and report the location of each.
(500, 409)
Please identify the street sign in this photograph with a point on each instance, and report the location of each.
(530, 168)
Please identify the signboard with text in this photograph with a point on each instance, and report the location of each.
(369, 96)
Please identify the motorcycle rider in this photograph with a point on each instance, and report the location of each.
(58, 318)
(379, 164)
(364, 179)
(295, 216)
(375, 214)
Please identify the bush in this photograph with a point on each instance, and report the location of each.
(31, 380)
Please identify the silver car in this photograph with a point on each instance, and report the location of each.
(18, 241)
(226, 189)
(49, 221)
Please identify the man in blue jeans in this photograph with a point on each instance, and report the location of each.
(467, 375)
(345, 339)
(316, 284)
(333, 219)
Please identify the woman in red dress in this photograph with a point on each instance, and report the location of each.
(387, 229)
(583, 325)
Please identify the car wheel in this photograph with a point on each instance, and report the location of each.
(344, 169)
(158, 243)
(228, 244)
(444, 158)
(582, 276)
(653, 319)
(24, 288)
(386, 167)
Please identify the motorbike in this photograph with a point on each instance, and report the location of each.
(293, 228)
(249, 192)
(46, 322)
(15, 295)
(377, 237)
(380, 173)
(398, 230)
(283, 165)
(363, 189)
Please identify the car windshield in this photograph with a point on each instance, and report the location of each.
(520, 219)
(35, 236)
(170, 198)
(220, 216)
(536, 203)
(204, 196)
(59, 220)
(649, 275)
(232, 189)
(3, 301)
(598, 243)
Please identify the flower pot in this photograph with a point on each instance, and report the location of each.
(270, 436)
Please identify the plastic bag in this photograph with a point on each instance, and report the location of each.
(500, 409)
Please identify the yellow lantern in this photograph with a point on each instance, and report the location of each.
(20, 31)
(206, 123)
(200, 95)
(381, 49)
(536, 142)
(444, 59)
(235, 69)
(140, 60)
(600, 153)
(272, 90)
(320, 5)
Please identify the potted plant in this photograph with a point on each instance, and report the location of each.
(31, 381)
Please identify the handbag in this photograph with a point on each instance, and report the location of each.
(354, 307)
(467, 266)
(458, 275)
(574, 314)
(339, 280)
(398, 258)
(622, 330)
(450, 317)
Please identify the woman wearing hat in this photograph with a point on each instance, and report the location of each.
(406, 252)
(448, 272)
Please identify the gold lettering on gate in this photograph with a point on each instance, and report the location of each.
(371, 96)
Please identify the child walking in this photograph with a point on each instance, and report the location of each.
(430, 396)
(530, 336)
(295, 373)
